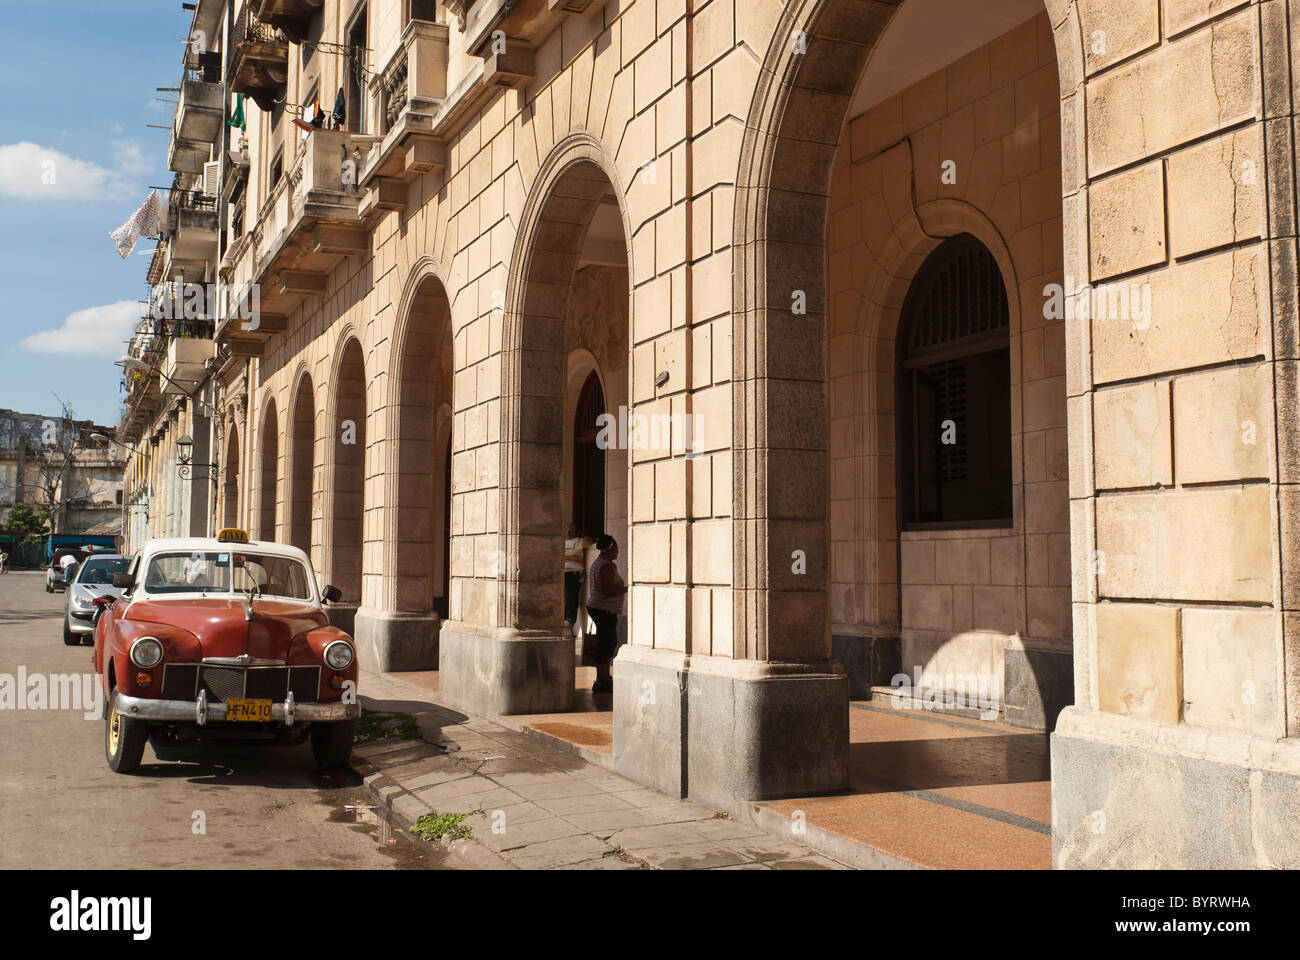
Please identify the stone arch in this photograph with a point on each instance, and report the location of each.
(562, 202)
(419, 393)
(345, 466)
(301, 430)
(230, 482)
(780, 434)
(269, 467)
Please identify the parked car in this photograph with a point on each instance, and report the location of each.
(223, 641)
(94, 578)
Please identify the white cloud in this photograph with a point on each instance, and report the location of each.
(95, 331)
(29, 171)
(130, 158)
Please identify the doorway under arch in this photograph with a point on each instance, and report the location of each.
(268, 484)
(302, 459)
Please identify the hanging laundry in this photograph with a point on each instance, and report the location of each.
(237, 118)
(318, 116)
(143, 221)
(304, 124)
(340, 113)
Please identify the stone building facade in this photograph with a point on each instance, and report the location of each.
(57, 465)
(945, 336)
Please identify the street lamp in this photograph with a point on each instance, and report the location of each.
(186, 467)
(106, 437)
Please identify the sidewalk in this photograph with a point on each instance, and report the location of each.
(534, 804)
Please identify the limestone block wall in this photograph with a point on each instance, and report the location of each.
(994, 115)
(1177, 483)
(1182, 439)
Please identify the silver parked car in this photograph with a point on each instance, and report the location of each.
(93, 578)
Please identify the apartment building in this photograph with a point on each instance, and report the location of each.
(882, 336)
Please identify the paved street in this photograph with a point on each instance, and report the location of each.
(60, 805)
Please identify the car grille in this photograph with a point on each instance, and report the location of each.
(261, 683)
(224, 683)
(180, 681)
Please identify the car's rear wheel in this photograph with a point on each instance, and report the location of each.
(124, 739)
(331, 743)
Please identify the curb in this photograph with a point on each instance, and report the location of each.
(396, 805)
(851, 853)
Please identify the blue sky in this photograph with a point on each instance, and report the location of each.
(78, 78)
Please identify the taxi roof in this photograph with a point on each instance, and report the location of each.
(213, 545)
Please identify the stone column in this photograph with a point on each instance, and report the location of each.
(727, 691)
(1184, 445)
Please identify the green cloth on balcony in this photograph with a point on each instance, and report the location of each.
(237, 118)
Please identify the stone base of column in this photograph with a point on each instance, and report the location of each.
(388, 641)
(727, 731)
(343, 616)
(1128, 794)
(504, 671)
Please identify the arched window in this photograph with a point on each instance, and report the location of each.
(588, 461)
(954, 391)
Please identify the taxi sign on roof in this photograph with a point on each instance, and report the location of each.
(233, 535)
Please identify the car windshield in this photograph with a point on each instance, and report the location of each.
(219, 572)
(100, 570)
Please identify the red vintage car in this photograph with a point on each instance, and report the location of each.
(223, 641)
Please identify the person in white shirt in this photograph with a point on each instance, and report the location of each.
(195, 569)
(575, 547)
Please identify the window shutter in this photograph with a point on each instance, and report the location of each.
(211, 172)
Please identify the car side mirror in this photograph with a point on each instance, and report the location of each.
(331, 594)
(123, 580)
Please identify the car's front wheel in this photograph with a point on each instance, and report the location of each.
(69, 638)
(124, 739)
(331, 743)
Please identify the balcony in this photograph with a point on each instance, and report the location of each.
(199, 113)
(408, 94)
(186, 363)
(259, 66)
(291, 16)
(412, 86)
(193, 241)
(187, 156)
(304, 229)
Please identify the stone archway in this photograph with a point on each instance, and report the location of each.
(302, 459)
(401, 633)
(528, 659)
(230, 484)
(269, 464)
(346, 460)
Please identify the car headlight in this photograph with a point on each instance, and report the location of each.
(146, 652)
(338, 655)
(80, 601)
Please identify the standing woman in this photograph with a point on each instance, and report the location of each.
(604, 606)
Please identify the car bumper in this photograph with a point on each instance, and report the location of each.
(79, 622)
(203, 711)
